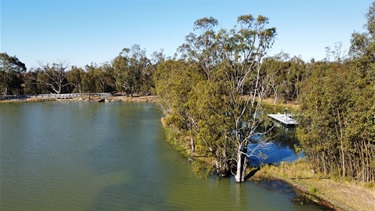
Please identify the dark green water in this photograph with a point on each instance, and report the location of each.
(90, 156)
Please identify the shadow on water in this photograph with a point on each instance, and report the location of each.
(281, 147)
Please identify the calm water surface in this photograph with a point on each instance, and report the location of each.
(90, 156)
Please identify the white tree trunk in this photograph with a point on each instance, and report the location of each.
(244, 165)
(192, 143)
(238, 176)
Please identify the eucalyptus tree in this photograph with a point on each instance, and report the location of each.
(324, 104)
(89, 83)
(247, 47)
(98, 78)
(11, 71)
(228, 100)
(175, 84)
(128, 68)
(363, 44)
(53, 76)
(30, 81)
(147, 80)
(292, 78)
(337, 128)
(362, 119)
(274, 69)
(75, 77)
(201, 47)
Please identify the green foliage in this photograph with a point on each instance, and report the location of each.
(203, 93)
(74, 77)
(132, 72)
(312, 190)
(11, 73)
(285, 76)
(337, 123)
(53, 77)
(31, 85)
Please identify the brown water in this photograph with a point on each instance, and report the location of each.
(90, 156)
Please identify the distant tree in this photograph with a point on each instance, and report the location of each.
(128, 68)
(31, 83)
(88, 79)
(75, 78)
(98, 78)
(53, 76)
(274, 70)
(147, 79)
(11, 70)
(109, 81)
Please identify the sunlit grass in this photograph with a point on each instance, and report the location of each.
(340, 192)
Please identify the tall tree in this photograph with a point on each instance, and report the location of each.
(337, 128)
(175, 84)
(54, 77)
(98, 78)
(228, 99)
(31, 83)
(249, 45)
(128, 67)
(74, 77)
(11, 70)
(202, 47)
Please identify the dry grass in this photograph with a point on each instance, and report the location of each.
(28, 100)
(146, 99)
(292, 105)
(342, 195)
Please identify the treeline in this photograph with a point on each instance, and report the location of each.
(337, 122)
(131, 72)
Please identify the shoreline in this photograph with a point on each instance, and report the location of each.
(144, 99)
(334, 193)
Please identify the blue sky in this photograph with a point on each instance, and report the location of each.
(79, 32)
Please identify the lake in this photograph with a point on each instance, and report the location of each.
(111, 156)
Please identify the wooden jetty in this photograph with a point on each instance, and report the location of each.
(285, 119)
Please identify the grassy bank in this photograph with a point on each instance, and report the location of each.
(174, 138)
(279, 105)
(331, 191)
(29, 100)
